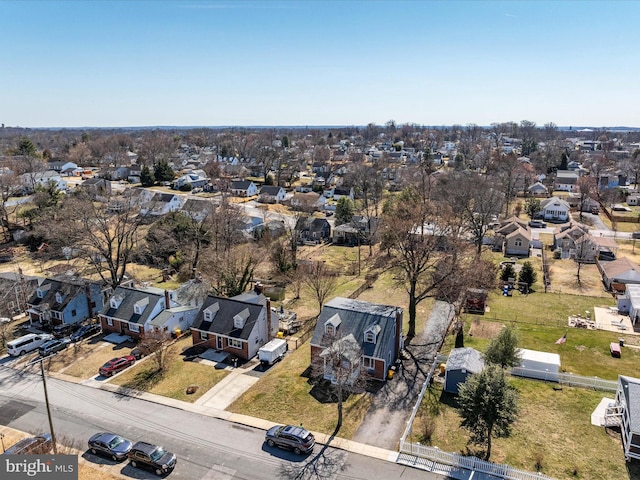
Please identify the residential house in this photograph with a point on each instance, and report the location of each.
(566, 240)
(629, 302)
(311, 229)
(339, 192)
(580, 202)
(633, 200)
(555, 210)
(360, 231)
(376, 331)
(31, 180)
(243, 188)
(566, 180)
(197, 208)
(517, 242)
(625, 412)
(461, 363)
(64, 299)
(237, 326)
(162, 203)
(197, 178)
(538, 190)
(271, 194)
(130, 310)
(308, 202)
(67, 169)
(617, 274)
(17, 289)
(97, 187)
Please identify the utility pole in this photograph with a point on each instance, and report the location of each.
(46, 401)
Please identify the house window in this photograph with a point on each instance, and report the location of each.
(330, 329)
(73, 313)
(368, 363)
(370, 337)
(110, 322)
(134, 327)
(233, 343)
(207, 316)
(204, 336)
(40, 293)
(517, 243)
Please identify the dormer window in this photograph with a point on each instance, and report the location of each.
(331, 325)
(115, 301)
(371, 334)
(42, 290)
(210, 312)
(140, 305)
(59, 297)
(240, 319)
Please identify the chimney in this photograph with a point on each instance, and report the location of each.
(269, 328)
(167, 300)
(87, 292)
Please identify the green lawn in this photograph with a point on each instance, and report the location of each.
(553, 428)
(173, 382)
(284, 395)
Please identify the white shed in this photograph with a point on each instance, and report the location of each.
(540, 365)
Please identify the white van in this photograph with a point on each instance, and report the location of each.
(27, 343)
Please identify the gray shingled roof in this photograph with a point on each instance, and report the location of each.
(222, 322)
(70, 287)
(356, 317)
(631, 388)
(131, 296)
(466, 358)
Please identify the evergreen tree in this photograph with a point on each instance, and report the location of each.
(344, 210)
(564, 161)
(503, 349)
(163, 172)
(527, 274)
(488, 406)
(532, 207)
(507, 273)
(146, 177)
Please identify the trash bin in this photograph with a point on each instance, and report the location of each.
(443, 368)
(390, 374)
(622, 342)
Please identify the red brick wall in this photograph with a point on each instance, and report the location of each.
(211, 342)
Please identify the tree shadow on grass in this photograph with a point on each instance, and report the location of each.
(144, 380)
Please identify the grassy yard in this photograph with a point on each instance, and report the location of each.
(89, 360)
(173, 382)
(553, 429)
(586, 352)
(285, 395)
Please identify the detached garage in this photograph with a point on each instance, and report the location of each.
(461, 363)
(539, 365)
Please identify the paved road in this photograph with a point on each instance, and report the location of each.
(207, 448)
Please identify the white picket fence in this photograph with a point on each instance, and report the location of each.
(468, 463)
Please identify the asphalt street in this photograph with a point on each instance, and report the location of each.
(207, 448)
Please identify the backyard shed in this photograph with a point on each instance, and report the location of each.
(540, 365)
(461, 363)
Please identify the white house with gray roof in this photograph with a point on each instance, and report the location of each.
(626, 412)
(377, 330)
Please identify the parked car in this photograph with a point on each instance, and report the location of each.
(537, 224)
(110, 445)
(293, 438)
(116, 365)
(153, 457)
(65, 329)
(40, 444)
(27, 343)
(139, 352)
(53, 346)
(85, 331)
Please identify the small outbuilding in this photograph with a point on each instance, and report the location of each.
(461, 363)
(539, 365)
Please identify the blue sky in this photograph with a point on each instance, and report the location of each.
(272, 62)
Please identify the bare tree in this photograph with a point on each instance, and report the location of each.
(586, 187)
(585, 252)
(106, 239)
(159, 346)
(320, 281)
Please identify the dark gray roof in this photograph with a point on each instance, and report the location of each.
(163, 197)
(68, 286)
(222, 322)
(240, 184)
(356, 317)
(631, 389)
(270, 190)
(467, 358)
(131, 296)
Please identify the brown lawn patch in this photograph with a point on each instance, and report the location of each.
(483, 329)
(564, 278)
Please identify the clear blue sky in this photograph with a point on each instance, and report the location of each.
(273, 62)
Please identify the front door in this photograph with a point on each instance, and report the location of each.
(219, 343)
